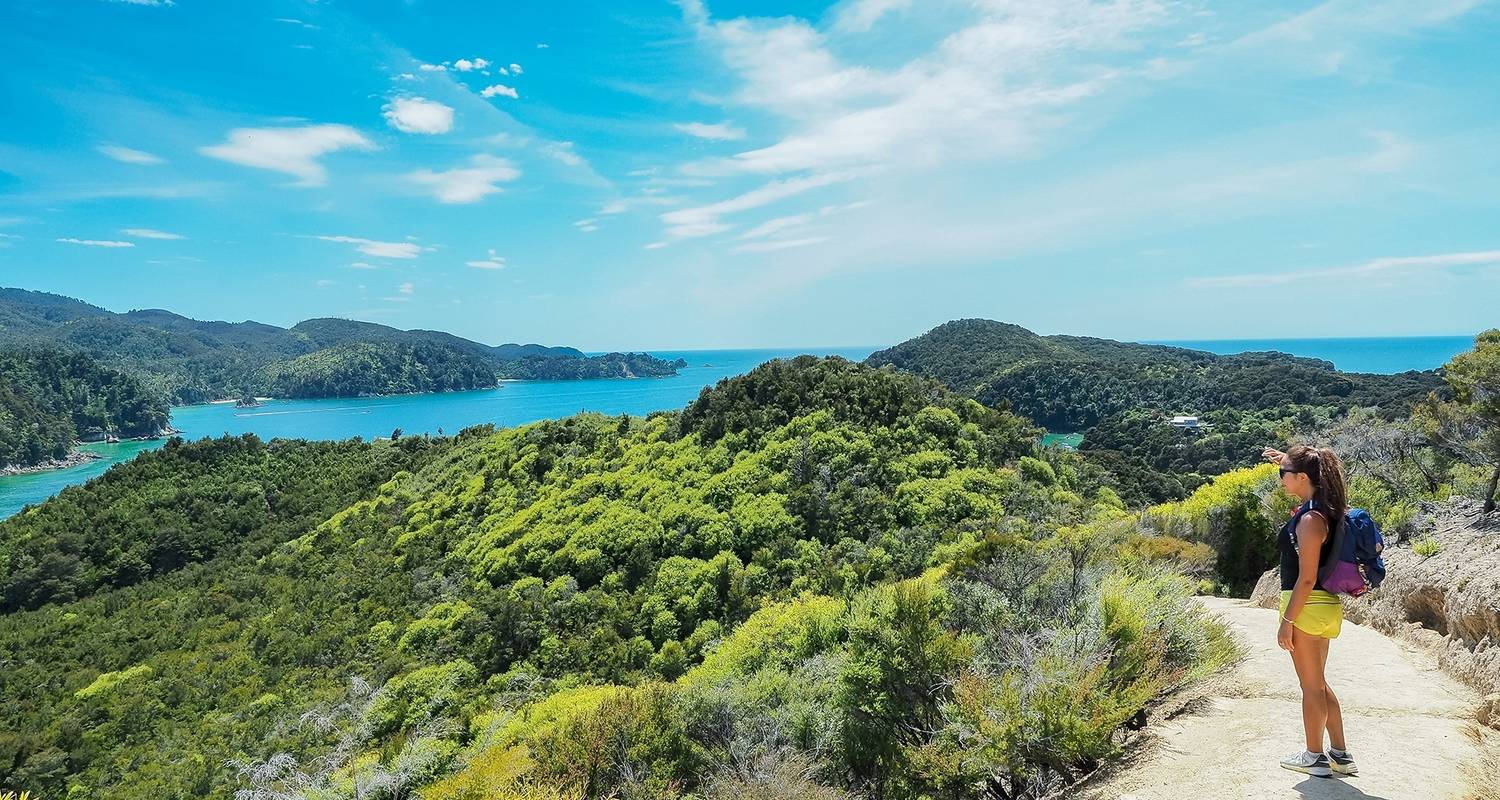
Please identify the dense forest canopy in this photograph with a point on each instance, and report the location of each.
(190, 361)
(1121, 396)
(819, 580)
(770, 555)
(51, 398)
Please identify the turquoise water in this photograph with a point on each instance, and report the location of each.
(514, 403)
(1381, 355)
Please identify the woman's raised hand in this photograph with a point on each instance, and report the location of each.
(1272, 454)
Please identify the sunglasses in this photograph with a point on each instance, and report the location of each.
(1285, 471)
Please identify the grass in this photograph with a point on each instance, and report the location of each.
(1426, 548)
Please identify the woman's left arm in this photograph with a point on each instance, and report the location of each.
(1311, 531)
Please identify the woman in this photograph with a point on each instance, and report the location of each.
(1310, 616)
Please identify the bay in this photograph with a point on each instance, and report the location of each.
(513, 403)
(1383, 355)
(520, 402)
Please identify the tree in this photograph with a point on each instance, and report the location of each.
(1469, 424)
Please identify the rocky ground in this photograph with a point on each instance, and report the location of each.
(1446, 603)
(72, 459)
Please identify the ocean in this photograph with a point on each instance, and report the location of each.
(520, 402)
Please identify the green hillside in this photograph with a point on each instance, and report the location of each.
(1121, 396)
(49, 399)
(820, 567)
(188, 361)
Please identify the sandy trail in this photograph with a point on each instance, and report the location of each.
(1404, 721)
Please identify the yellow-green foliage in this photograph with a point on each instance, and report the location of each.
(1234, 515)
(422, 636)
(779, 635)
(502, 730)
(498, 773)
(415, 696)
(1426, 548)
(108, 681)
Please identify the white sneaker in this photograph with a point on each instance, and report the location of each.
(1312, 763)
(1342, 763)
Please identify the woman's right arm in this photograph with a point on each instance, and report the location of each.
(1272, 454)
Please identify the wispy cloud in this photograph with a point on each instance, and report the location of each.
(1369, 269)
(97, 242)
(587, 225)
(292, 151)
(493, 261)
(467, 184)
(373, 247)
(718, 131)
(706, 220)
(778, 244)
(129, 155)
(499, 90)
(148, 233)
(419, 115)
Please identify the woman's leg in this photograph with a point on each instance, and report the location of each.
(1308, 657)
(1335, 713)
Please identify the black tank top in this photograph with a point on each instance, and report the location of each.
(1286, 543)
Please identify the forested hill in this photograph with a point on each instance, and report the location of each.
(820, 571)
(187, 360)
(51, 398)
(1121, 395)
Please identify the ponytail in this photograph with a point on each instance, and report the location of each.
(1330, 490)
(1326, 472)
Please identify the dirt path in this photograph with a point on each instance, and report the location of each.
(1404, 722)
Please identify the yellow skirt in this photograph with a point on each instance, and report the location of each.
(1322, 614)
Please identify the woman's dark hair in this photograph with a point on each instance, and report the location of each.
(1326, 472)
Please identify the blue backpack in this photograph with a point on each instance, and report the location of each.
(1356, 566)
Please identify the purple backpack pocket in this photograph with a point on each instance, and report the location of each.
(1345, 578)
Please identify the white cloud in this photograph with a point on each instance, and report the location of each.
(778, 244)
(499, 89)
(719, 131)
(293, 151)
(542, 45)
(157, 3)
(587, 225)
(704, 220)
(419, 115)
(615, 207)
(372, 247)
(97, 242)
(147, 233)
(467, 184)
(772, 227)
(406, 76)
(563, 152)
(492, 262)
(326, 282)
(467, 65)
(993, 88)
(432, 68)
(515, 69)
(129, 155)
(363, 265)
(1367, 270)
(861, 15)
(406, 288)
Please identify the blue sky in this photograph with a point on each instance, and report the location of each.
(648, 174)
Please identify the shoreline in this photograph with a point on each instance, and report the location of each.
(74, 458)
(78, 456)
